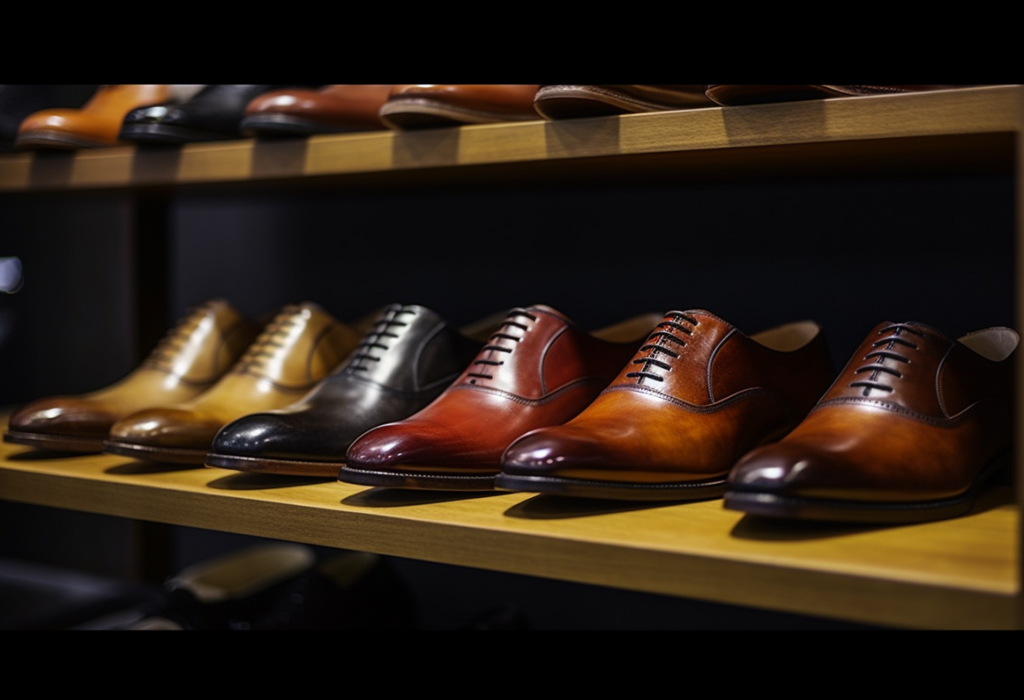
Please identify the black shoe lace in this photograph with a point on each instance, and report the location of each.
(492, 343)
(656, 344)
(374, 340)
(888, 352)
(267, 343)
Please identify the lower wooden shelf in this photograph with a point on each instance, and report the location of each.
(955, 574)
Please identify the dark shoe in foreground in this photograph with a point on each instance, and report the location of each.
(911, 431)
(694, 398)
(576, 101)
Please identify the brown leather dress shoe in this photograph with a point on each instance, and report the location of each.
(187, 362)
(757, 94)
(331, 109)
(911, 431)
(96, 124)
(575, 101)
(301, 346)
(539, 369)
(694, 398)
(429, 106)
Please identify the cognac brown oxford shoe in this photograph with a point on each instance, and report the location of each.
(300, 347)
(539, 369)
(911, 431)
(576, 101)
(331, 109)
(429, 106)
(758, 94)
(96, 124)
(189, 360)
(695, 397)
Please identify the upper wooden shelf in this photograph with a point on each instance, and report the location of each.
(959, 130)
(954, 574)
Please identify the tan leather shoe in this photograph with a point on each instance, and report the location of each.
(330, 110)
(428, 106)
(757, 94)
(96, 124)
(911, 431)
(576, 101)
(695, 397)
(188, 361)
(539, 369)
(301, 346)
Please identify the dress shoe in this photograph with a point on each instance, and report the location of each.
(212, 114)
(332, 109)
(403, 363)
(19, 101)
(758, 94)
(429, 106)
(539, 369)
(912, 430)
(694, 398)
(575, 101)
(189, 360)
(300, 347)
(95, 125)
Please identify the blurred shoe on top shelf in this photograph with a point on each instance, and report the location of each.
(19, 101)
(214, 113)
(758, 94)
(431, 106)
(576, 101)
(332, 109)
(97, 123)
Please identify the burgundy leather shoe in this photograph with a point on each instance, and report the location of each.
(911, 431)
(575, 101)
(539, 369)
(429, 106)
(693, 399)
(757, 94)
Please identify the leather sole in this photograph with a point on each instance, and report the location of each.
(423, 481)
(421, 113)
(874, 512)
(288, 125)
(614, 490)
(730, 95)
(263, 465)
(177, 455)
(168, 133)
(57, 443)
(581, 101)
(57, 139)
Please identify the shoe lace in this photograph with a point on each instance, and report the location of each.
(656, 344)
(171, 344)
(375, 338)
(268, 343)
(888, 352)
(492, 343)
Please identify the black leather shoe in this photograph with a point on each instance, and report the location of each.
(19, 101)
(403, 363)
(212, 114)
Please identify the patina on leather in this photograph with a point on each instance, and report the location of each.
(329, 109)
(403, 363)
(694, 398)
(539, 369)
(910, 431)
(301, 346)
(190, 359)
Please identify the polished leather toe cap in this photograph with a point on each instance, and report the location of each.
(278, 436)
(422, 445)
(548, 453)
(791, 470)
(167, 427)
(65, 416)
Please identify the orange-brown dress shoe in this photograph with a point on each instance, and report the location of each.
(575, 101)
(539, 369)
(98, 122)
(301, 346)
(331, 109)
(757, 94)
(695, 397)
(911, 431)
(187, 362)
(428, 106)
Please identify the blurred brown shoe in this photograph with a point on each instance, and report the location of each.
(331, 109)
(429, 106)
(576, 101)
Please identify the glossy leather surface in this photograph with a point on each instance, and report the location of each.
(539, 369)
(695, 397)
(757, 94)
(19, 101)
(215, 112)
(575, 101)
(96, 124)
(301, 346)
(914, 422)
(331, 109)
(426, 106)
(403, 363)
(189, 360)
